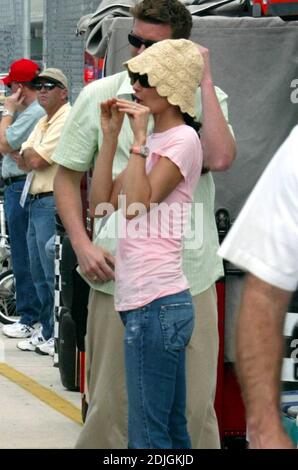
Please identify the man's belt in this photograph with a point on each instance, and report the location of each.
(13, 179)
(40, 195)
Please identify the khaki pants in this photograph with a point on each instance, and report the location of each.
(106, 423)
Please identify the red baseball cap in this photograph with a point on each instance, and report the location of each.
(23, 70)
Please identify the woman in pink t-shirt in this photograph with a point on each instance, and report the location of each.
(156, 189)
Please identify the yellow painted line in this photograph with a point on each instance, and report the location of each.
(42, 393)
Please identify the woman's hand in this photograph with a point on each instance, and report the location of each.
(138, 118)
(111, 119)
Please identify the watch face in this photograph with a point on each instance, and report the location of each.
(5, 112)
(144, 151)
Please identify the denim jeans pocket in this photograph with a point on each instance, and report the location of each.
(177, 323)
(16, 188)
(46, 202)
(135, 322)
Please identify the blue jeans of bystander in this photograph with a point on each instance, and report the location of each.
(155, 339)
(41, 229)
(27, 302)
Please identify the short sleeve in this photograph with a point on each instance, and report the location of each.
(81, 134)
(263, 239)
(22, 127)
(184, 149)
(78, 142)
(51, 138)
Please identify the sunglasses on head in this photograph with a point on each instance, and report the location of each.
(46, 86)
(138, 42)
(142, 79)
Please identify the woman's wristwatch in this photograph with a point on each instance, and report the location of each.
(141, 150)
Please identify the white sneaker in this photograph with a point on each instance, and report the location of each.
(30, 344)
(17, 330)
(46, 348)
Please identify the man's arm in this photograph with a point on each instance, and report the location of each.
(259, 352)
(37, 152)
(12, 104)
(18, 158)
(103, 188)
(6, 121)
(34, 161)
(92, 259)
(219, 149)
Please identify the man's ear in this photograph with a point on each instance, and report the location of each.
(65, 93)
(23, 89)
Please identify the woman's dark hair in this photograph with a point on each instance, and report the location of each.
(190, 121)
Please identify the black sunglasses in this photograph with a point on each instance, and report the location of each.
(138, 42)
(46, 86)
(142, 79)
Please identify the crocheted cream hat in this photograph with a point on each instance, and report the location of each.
(175, 68)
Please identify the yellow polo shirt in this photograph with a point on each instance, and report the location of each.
(44, 139)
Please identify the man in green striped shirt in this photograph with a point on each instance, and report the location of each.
(106, 423)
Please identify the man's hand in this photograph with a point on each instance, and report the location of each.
(96, 263)
(207, 77)
(17, 157)
(14, 102)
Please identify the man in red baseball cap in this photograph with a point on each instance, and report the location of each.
(21, 112)
(21, 71)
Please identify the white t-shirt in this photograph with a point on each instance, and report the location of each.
(264, 238)
(149, 255)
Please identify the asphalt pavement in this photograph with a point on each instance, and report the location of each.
(36, 411)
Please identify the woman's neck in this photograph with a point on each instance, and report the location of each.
(169, 118)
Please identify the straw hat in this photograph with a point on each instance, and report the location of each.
(55, 75)
(175, 68)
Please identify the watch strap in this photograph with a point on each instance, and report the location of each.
(141, 150)
(6, 112)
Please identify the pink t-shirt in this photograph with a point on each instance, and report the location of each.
(148, 257)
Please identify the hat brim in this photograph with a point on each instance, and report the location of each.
(39, 78)
(6, 80)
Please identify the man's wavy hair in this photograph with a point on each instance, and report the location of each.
(170, 12)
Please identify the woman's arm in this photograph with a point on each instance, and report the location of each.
(103, 189)
(139, 187)
(146, 189)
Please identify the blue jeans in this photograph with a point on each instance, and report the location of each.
(51, 247)
(41, 229)
(156, 336)
(27, 302)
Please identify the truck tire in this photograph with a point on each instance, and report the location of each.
(68, 353)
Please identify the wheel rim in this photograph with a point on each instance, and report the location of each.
(8, 298)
